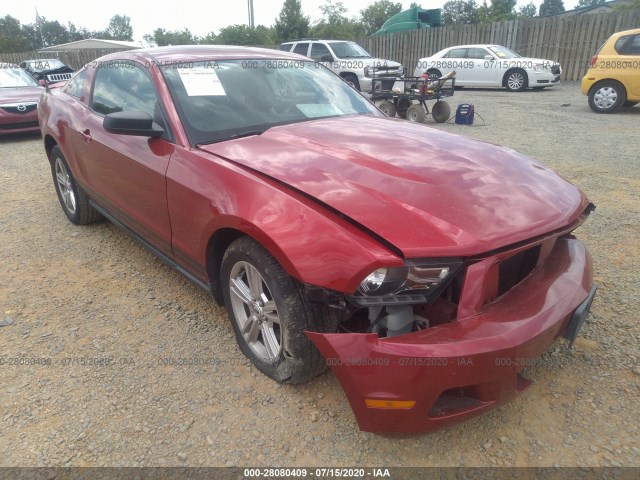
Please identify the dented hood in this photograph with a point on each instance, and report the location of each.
(427, 192)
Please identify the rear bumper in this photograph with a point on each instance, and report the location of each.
(460, 369)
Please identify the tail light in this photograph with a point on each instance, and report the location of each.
(594, 59)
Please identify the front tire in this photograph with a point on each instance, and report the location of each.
(269, 313)
(352, 80)
(73, 199)
(607, 97)
(416, 113)
(441, 111)
(516, 80)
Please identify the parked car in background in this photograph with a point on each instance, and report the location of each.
(349, 60)
(50, 69)
(426, 269)
(613, 78)
(491, 66)
(19, 96)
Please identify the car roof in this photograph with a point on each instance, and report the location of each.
(315, 40)
(625, 32)
(195, 53)
(476, 45)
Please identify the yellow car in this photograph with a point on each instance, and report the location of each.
(613, 78)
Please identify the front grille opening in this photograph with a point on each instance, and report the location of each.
(514, 269)
(455, 401)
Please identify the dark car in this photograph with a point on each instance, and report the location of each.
(424, 267)
(50, 69)
(19, 96)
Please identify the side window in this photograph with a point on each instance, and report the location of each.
(301, 49)
(74, 86)
(122, 85)
(319, 53)
(634, 46)
(477, 53)
(456, 53)
(285, 47)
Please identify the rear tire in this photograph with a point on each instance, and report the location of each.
(73, 199)
(607, 97)
(270, 312)
(388, 108)
(434, 74)
(403, 106)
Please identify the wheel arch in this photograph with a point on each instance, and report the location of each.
(603, 80)
(510, 71)
(218, 244)
(49, 143)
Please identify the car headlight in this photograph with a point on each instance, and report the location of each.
(384, 281)
(424, 278)
(538, 67)
(366, 71)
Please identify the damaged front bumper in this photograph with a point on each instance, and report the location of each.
(431, 378)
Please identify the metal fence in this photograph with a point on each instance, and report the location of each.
(74, 58)
(569, 39)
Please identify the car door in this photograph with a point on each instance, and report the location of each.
(481, 72)
(454, 59)
(321, 53)
(630, 71)
(124, 173)
(302, 48)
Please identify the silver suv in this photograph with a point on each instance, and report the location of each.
(349, 60)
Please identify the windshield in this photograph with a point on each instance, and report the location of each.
(16, 77)
(229, 99)
(503, 52)
(44, 64)
(348, 50)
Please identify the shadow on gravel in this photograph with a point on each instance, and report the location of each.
(20, 137)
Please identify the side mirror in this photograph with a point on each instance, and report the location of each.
(326, 58)
(488, 57)
(42, 82)
(131, 122)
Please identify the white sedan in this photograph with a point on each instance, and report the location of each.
(491, 66)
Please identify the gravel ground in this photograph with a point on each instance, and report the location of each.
(77, 294)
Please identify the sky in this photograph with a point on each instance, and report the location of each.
(147, 15)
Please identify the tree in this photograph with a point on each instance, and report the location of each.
(11, 39)
(120, 28)
(335, 25)
(76, 33)
(291, 24)
(551, 7)
(502, 10)
(588, 3)
(162, 37)
(460, 11)
(241, 35)
(374, 16)
(528, 11)
(631, 5)
(53, 32)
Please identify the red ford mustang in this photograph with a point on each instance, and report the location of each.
(424, 268)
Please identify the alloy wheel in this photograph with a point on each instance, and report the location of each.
(64, 185)
(255, 311)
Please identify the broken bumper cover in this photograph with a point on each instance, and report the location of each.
(429, 379)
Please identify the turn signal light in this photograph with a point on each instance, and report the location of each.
(390, 404)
